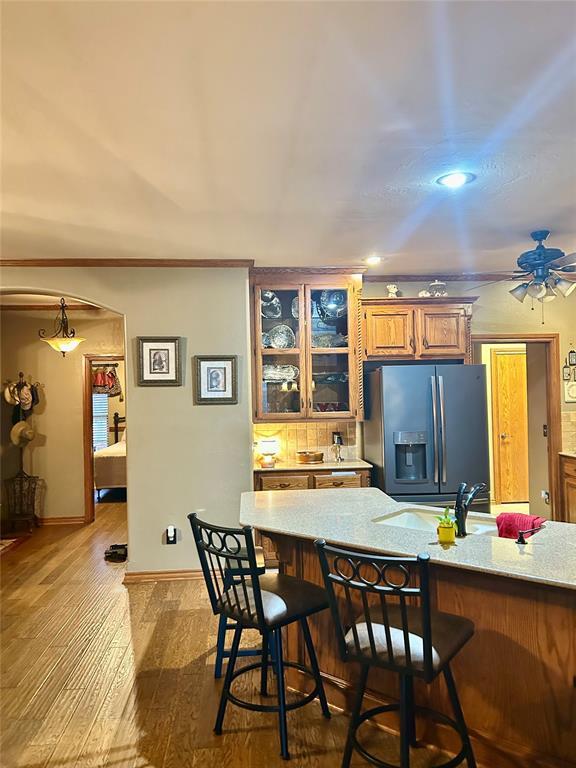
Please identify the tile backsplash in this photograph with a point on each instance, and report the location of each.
(569, 431)
(307, 436)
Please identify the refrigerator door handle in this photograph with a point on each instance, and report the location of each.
(435, 426)
(443, 426)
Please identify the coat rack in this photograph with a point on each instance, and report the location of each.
(22, 490)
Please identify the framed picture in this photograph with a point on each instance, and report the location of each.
(159, 361)
(215, 380)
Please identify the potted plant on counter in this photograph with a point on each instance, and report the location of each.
(446, 527)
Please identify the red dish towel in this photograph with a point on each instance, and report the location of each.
(510, 523)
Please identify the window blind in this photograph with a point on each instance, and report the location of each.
(99, 421)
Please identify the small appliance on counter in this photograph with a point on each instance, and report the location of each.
(337, 443)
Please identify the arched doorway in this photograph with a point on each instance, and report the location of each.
(61, 424)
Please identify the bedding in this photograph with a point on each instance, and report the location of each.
(110, 466)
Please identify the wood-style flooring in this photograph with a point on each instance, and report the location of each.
(94, 673)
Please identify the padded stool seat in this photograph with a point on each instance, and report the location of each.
(449, 634)
(383, 618)
(284, 600)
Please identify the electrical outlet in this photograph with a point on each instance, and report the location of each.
(171, 535)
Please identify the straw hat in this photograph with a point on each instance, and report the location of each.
(21, 434)
(11, 394)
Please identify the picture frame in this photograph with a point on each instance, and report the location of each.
(159, 361)
(215, 379)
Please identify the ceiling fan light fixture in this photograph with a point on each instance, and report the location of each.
(565, 286)
(550, 294)
(520, 292)
(536, 289)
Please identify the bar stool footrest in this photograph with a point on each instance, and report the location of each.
(272, 707)
(431, 713)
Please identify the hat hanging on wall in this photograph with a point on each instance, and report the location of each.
(21, 434)
(11, 393)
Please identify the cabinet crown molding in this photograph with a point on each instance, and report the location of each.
(429, 301)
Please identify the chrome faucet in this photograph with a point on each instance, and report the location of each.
(464, 498)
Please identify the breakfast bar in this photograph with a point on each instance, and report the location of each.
(517, 676)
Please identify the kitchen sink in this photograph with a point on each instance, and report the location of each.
(425, 520)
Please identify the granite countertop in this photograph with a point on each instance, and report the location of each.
(291, 466)
(568, 454)
(345, 516)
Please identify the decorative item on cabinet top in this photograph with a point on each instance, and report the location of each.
(430, 328)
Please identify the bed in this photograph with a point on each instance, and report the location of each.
(110, 462)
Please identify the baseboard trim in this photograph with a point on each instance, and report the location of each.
(61, 520)
(138, 577)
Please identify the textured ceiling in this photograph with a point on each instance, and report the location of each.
(289, 133)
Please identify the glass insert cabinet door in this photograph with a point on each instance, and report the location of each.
(279, 352)
(330, 384)
(305, 339)
(329, 362)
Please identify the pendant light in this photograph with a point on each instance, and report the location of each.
(64, 338)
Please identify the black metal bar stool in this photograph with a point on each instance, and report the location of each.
(224, 625)
(381, 609)
(241, 591)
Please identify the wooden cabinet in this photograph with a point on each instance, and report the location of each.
(568, 488)
(338, 481)
(441, 331)
(283, 480)
(389, 332)
(307, 360)
(416, 329)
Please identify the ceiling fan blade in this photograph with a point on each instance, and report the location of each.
(569, 260)
(509, 279)
(567, 269)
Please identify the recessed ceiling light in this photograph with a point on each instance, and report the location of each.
(455, 179)
(373, 259)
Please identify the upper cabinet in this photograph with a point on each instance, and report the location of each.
(416, 329)
(306, 346)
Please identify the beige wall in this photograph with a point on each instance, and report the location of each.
(498, 312)
(55, 454)
(180, 457)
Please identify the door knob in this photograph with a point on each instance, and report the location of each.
(504, 435)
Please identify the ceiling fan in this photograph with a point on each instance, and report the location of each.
(545, 272)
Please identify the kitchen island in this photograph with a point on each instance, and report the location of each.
(516, 677)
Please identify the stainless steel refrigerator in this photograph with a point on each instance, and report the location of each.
(427, 431)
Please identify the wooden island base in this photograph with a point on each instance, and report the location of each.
(516, 678)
